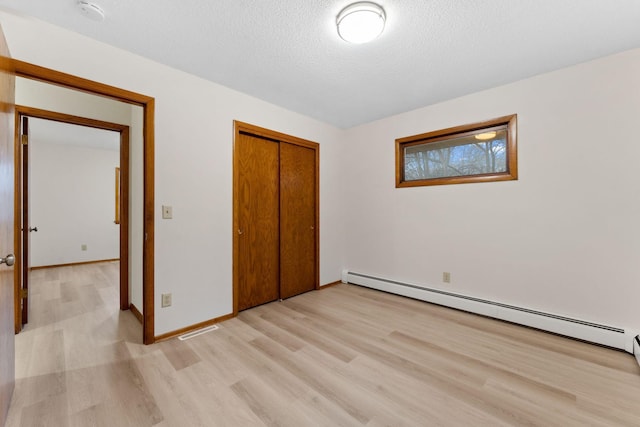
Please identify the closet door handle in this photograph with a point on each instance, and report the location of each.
(240, 231)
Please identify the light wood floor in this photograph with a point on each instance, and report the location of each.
(344, 356)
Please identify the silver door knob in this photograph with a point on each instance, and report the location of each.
(33, 229)
(9, 260)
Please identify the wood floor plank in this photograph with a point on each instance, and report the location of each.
(317, 340)
(180, 356)
(344, 356)
(46, 413)
(279, 335)
(271, 409)
(324, 383)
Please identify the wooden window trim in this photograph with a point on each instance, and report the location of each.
(509, 122)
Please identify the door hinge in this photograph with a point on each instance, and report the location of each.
(24, 293)
(24, 139)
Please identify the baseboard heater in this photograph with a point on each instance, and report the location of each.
(610, 336)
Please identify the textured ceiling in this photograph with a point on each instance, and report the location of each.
(287, 52)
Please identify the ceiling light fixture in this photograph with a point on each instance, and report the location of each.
(486, 135)
(361, 22)
(91, 10)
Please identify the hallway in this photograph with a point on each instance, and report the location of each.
(76, 348)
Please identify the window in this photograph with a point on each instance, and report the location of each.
(480, 152)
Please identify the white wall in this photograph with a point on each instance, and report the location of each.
(564, 238)
(193, 136)
(72, 203)
(32, 93)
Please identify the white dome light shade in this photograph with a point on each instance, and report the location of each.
(360, 22)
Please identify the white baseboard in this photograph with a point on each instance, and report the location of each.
(607, 335)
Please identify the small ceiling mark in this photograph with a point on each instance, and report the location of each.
(91, 10)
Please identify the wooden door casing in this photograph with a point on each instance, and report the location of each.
(49, 76)
(23, 298)
(258, 222)
(297, 219)
(7, 225)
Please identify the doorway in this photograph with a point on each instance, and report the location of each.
(275, 214)
(48, 76)
(74, 133)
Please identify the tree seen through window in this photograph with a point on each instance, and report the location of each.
(458, 157)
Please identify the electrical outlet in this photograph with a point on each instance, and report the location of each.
(166, 300)
(446, 277)
(83, 247)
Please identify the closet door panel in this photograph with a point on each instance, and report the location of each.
(258, 222)
(297, 219)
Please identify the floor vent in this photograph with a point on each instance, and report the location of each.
(598, 333)
(198, 332)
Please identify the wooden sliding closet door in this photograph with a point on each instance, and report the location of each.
(297, 219)
(258, 220)
(275, 216)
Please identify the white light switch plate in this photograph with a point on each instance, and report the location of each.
(167, 212)
(166, 300)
